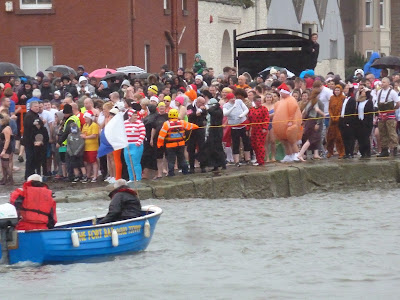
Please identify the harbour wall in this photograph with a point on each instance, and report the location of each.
(273, 181)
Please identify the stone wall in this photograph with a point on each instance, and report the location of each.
(333, 65)
(271, 182)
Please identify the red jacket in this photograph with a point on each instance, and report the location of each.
(35, 205)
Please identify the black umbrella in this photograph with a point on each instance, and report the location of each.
(387, 62)
(63, 69)
(114, 75)
(141, 76)
(9, 69)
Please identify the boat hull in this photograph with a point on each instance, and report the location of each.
(55, 245)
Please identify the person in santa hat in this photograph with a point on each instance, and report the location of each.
(287, 123)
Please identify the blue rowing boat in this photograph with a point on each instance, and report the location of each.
(77, 240)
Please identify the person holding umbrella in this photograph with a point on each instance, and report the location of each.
(68, 87)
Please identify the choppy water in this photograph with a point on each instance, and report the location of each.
(320, 246)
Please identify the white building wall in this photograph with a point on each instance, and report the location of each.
(225, 18)
(282, 15)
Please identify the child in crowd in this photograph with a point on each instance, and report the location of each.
(60, 152)
(41, 139)
(75, 149)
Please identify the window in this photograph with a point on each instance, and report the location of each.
(382, 13)
(166, 4)
(307, 26)
(184, 8)
(369, 17)
(35, 59)
(167, 7)
(168, 55)
(368, 54)
(333, 49)
(182, 60)
(35, 4)
(147, 57)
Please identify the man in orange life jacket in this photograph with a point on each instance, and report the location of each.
(35, 205)
(173, 135)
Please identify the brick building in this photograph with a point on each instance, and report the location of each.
(36, 34)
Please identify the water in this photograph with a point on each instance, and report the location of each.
(320, 246)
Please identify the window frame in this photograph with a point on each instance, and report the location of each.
(167, 7)
(182, 60)
(146, 57)
(36, 6)
(185, 10)
(382, 13)
(168, 54)
(368, 52)
(370, 15)
(333, 49)
(37, 54)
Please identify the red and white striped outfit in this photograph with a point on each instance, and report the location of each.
(135, 132)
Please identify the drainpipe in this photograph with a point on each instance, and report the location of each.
(131, 17)
(256, 14)
(174, 31)
(196, 26)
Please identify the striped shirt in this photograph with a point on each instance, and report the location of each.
(135, 132)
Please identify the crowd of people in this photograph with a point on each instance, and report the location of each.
(192, 119)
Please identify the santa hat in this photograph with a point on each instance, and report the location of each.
(88, 114)
(154, 98)
(377, 82)
(283, 88)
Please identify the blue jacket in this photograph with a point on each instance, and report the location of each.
(367, 66)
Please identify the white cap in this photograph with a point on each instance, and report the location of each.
(119, 183)
(35, 177)
(114, 110)
(199, 77)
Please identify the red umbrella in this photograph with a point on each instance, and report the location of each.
(100, 73)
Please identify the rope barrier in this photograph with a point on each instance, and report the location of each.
(287, 121)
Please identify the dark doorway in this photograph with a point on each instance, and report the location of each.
(255, 50)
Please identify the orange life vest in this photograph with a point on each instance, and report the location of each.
(175, 135)
(38, 206)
